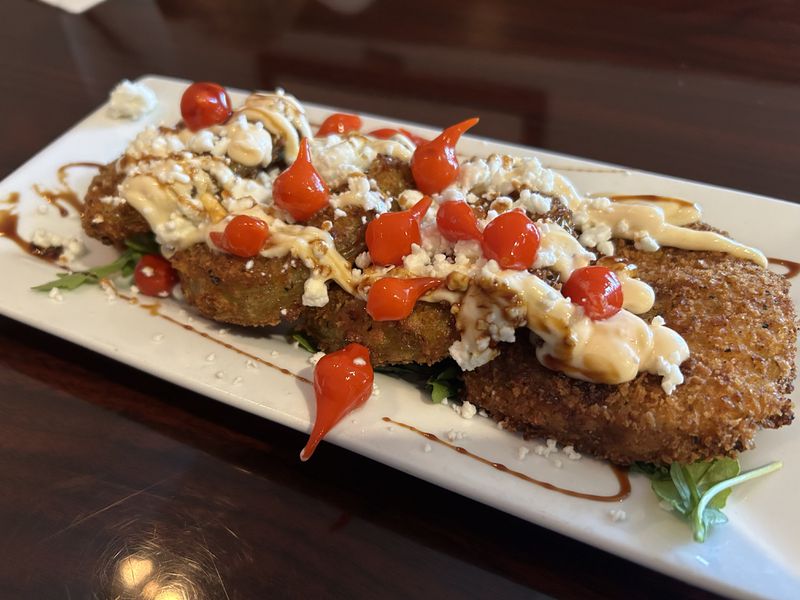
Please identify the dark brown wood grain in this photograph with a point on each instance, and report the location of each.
(99, 461)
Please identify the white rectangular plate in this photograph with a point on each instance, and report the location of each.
(755, 555)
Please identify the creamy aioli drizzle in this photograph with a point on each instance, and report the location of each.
(184, 186)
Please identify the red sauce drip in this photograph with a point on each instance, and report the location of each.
(792, 267)
(620, 473)
(66, 196)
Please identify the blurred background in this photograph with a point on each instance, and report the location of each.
(707, 90)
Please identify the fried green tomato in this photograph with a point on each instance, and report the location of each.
(740, 325)
(223, 287)
(392, 175)
(103, 217)
(424, 337)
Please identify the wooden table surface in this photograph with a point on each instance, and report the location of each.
(100, 461)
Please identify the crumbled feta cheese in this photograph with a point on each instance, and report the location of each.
(617, 515)
(363, 260)
(533, 202)
(211, 357)
(426, 448)
(97, 219)
(454, 435)
(571, 454)
(644, 241)
(251, 364)
(522, 452)
(248, 266)
(237, 380)
(466, 409)
(315, 292)
(606, 248)
(131, 100)
(55, 295)
(670, 370)
(70, 250)
(220, 374)
(159, 337)
(42, 238)
(315, 358)
(147, 271)
(113, 200)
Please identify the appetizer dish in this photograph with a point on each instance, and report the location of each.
(621, 326)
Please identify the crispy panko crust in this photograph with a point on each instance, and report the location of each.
(392, 175)
(347, 231)
(424, 337)
(222, 288)
(108, 223)
(740, 325)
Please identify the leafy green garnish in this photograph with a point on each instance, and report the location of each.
(136, 247)
(303, 341)
(447, 383)
(698, 491)
(442, 380)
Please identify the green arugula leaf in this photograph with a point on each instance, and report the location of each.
(705, 514)
(302, 341)
(124, 265)
(143, 244)
(442, 380)
(699, 491)
(446, 383)
(65, 281)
